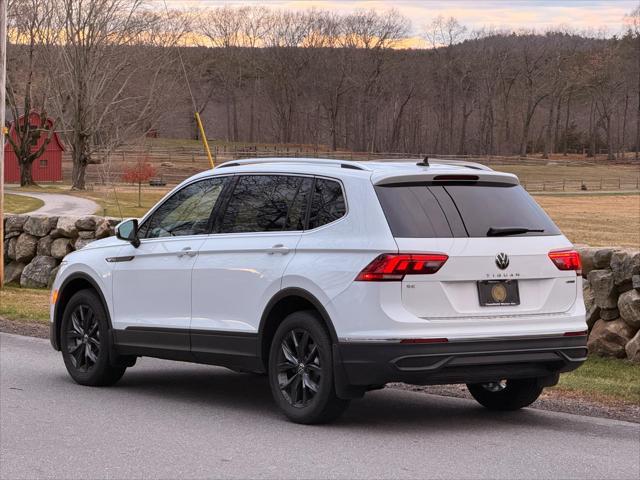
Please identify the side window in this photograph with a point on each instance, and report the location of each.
(413, 212)
(265, 203)
(186, 212)
(327, 203)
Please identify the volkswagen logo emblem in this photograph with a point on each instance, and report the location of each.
(502, 261)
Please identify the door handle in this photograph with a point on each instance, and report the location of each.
(279, 248)
(186, 251)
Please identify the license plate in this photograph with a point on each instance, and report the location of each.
(498, 293)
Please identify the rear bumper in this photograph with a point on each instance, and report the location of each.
(368, 364)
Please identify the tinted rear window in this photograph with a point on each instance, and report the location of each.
(413, 212)
(327, 203)
(428, 211)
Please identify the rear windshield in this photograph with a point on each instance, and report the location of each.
(454, 210)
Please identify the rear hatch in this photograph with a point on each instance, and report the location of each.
(494, 268)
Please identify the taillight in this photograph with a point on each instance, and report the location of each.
(390, 267)
(566, 260)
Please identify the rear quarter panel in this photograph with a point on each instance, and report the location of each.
(328, 258)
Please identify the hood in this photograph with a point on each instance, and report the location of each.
(104, 242)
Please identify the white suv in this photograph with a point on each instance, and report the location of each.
(334, 278)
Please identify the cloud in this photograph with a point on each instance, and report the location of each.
(605, 15)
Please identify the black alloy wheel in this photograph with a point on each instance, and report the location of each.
(300, 370)
(86, 343)
(83, 338)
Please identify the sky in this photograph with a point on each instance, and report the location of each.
(597, 16)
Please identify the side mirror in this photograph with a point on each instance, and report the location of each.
(128, 231)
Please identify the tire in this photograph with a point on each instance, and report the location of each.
(86, 343)
(301, 370)
(507, 395)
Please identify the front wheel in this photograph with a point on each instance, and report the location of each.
(301, 370)
(506, 394)
(85, 341)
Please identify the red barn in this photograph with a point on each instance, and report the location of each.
(46, 168)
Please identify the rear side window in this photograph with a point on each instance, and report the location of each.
(413, 212)
(266, 203)
(327, 203)
(437, 211)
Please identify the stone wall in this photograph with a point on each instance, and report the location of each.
(612, 297)
(35, 245)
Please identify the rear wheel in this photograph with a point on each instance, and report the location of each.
(85, 341)
(506, 394)
(301, 370)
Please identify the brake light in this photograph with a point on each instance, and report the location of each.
(390, 267)
(455, 178)
(566, 260)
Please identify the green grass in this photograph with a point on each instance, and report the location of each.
(603, 379)
(21, 204)
(24, 304)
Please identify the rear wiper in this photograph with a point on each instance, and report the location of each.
(504, 231)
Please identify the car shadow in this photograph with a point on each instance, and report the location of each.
(387, 410)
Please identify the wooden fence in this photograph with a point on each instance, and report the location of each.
(175, 164)
(569, 185)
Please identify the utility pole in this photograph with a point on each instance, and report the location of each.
(3, 79)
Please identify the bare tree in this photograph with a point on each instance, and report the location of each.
(442, 34)
(325, 79)
(27, 20)
(106, 65)
(634, 35)
(604, 83)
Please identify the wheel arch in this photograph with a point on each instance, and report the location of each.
(74, 283)
(287, 301)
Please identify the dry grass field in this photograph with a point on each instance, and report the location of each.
(21, 204)
(597, 220)
(124, 201)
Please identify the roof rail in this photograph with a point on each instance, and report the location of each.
(461, 163)
(311, 161)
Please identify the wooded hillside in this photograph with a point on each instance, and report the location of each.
(314, 77)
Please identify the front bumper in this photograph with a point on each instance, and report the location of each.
(53, 338)
(477, 361)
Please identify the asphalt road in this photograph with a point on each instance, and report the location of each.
(60, 205)
(172, 420)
